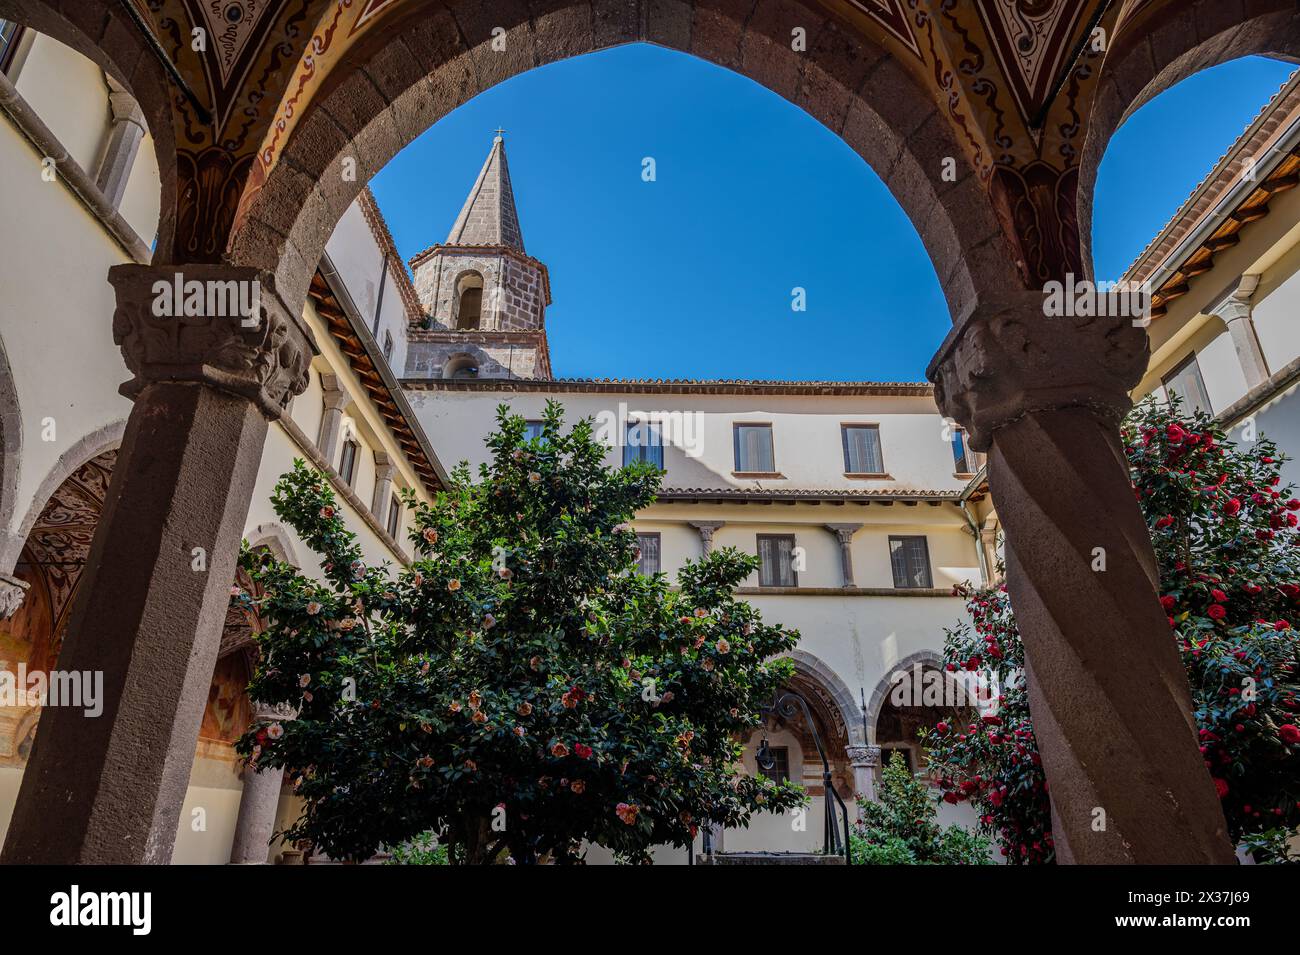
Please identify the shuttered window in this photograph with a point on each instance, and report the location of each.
(754, 454)
(776, 561)
(862, 449)
(644, 442)
(648, 561)
(910, 557)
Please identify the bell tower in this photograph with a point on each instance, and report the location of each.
(484, 297)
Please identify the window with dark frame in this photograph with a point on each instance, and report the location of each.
(780, 771)
(394, 515)
(776, 561)
(348, 461)
(648, 560)
(388, 345)
(10, 33)
(643, 442)
(533, 429)
(1186, 382)
(910, 558)
(862, 449)
(754, 452)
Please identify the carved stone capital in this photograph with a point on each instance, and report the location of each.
(218, 325)
(12, 592)
(705, 530)
(272, 712)
(863, 757)
(1005, 361)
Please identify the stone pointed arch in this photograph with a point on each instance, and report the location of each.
(836, 692)
(1158, 46)
(408, 72)
(878, 696)
(88, 447)
(275, 538)
(103, 31)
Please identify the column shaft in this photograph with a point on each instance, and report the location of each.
(152, 599)
(1109, 697)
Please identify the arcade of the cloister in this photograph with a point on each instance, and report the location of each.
(988, 136)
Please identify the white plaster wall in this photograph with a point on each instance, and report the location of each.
(805, 433)
(1277, 321)
(142, 197)
(56, 316)
(358, 259)
(68, 92)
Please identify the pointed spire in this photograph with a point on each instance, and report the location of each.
(489, 216)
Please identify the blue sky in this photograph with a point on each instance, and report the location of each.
(691, 276)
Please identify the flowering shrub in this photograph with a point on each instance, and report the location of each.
(519, 689)
(899, 828)
(1224, 532)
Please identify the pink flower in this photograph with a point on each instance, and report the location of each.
(327, 512)
(627, 813)
(430, 535)
(453, 585)
(313, 608)
(304, 680)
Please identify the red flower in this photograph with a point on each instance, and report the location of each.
(582, 750)
(941, 726)
(1232, 507)
(1219, 596)
(1216, 612)
(1290, 733)
(1221, 786)
(1168, 602)
(1164, 521)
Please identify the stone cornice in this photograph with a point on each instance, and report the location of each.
(664, 386)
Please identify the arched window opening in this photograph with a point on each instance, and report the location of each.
(469, 302)
(461, 367)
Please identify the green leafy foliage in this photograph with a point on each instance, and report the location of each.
(900, 827)
(1224, 532)
(519, 689)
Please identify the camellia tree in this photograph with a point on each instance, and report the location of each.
(1225, 538)
(518, 690)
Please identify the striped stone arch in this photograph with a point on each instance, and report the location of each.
(836, 693)
(415, 64)
(877, 701)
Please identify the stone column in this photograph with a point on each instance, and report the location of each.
(706, 529)
(123, 143)
(384, 468)
(989, 544)
(844, 533)
(1109, 696)
(865, 760)
(1236, 314)
(331, 422)
(153, 597)
(260, 799)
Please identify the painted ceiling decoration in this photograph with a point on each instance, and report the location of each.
(59, 541)
(892, 16)
(1031, 39)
